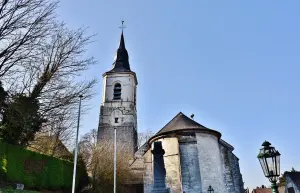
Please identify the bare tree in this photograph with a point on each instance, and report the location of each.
(23, 25)
(57, 73)
(42, 59)
(87, 146)
(53, 78)
(99, 161)
(143, 137)
(52, 136)
(102, 169)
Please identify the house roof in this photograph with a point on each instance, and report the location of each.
(268, 190)
(183, 123)
(45, 144)
(295, 177)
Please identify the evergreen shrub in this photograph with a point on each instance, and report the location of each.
(35, 170)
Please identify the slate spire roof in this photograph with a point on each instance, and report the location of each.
(180, 123)
(121, 63)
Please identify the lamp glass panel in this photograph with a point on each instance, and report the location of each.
(271, 166)
(278, 165)
(264, 166)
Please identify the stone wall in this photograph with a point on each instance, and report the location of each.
(128, 85)
(228, 172)
(232, 176)
(194, 162)
(120, 114)
(290, 184)
(126, 126)
(172, 164)
(137, 167)
(148, 171)
(239, 183)
(126, 137)
(125, 111)
(190, 171)
(210, 162)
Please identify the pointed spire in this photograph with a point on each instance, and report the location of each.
(121, 63)
(122, 42)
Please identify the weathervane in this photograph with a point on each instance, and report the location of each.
(122, 26)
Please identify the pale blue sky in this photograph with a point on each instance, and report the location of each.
(233, 63)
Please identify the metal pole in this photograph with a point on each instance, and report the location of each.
(274, 187)
(115, 161)
(76, 146)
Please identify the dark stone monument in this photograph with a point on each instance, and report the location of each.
(159, 185)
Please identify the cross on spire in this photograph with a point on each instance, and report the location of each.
(122, 26)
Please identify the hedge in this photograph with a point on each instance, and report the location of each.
(36, 170)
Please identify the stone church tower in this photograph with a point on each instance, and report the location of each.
(182, 157)
(118, 107)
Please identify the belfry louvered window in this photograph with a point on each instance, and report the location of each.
(117, 91)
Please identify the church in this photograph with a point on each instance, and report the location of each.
(182, 157)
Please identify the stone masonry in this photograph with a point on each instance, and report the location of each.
(194, 160)
(190, 170)
(195, 156)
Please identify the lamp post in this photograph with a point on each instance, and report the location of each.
(115, 160)
(76, 146)
(269, 159)
(210, 189)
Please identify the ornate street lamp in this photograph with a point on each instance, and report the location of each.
(210, 190)
(269, 159)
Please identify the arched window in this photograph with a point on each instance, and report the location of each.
(117, 91)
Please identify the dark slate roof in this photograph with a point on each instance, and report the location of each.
(227, 145)
(295, 177)
(121, 63)
(180, 123)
